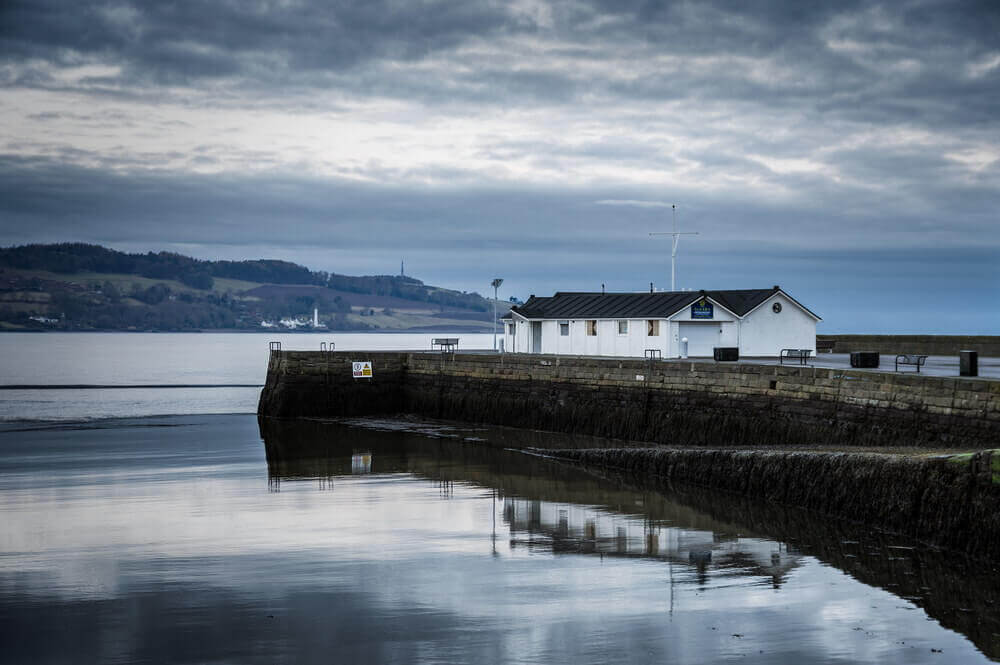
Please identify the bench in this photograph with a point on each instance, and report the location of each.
(909, 359)
(802, 355)
(446, 344)
(825, 345)
(654, 354)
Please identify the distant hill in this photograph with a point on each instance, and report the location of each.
(75, 286)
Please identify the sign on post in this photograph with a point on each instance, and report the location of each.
(362, 369)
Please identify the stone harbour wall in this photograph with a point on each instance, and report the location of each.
(304, 384)
(669, 402)
(704, 403)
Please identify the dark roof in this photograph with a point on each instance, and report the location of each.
(660, 305)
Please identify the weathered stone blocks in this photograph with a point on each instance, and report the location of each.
(678, 401)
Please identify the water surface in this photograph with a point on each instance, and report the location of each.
(156, 359)
(204, 538)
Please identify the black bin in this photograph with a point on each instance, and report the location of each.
(968, 363)
(727, 353)
(864, 359)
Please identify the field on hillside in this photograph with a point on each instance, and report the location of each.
(41, 299)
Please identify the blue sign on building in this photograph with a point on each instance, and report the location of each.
(702, 310)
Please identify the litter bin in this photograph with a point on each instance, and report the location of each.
(726, 353)
(864, 359)
(968, 363)
(684, 347)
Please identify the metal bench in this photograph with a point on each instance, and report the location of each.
(654, 354)
(446, 344)
(802, 355)
(909, 359)
(825, 345)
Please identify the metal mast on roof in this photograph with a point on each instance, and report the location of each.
(673, 252)
(496, 285)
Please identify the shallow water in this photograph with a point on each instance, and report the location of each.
(191, 539)
(225, 360)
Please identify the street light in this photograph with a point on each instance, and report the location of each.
(496, 285)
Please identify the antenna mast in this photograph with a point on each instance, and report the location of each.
(673, 251)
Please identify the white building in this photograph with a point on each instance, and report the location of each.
(759, 322)
(293, 324)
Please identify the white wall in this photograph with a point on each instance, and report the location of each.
(765, 333)
(520, 342)
(607, 342)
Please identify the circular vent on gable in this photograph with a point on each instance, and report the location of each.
(776, 308)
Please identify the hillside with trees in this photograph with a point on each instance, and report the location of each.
(74, 286)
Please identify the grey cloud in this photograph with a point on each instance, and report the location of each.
(283, 208)
(737, 87)
(354, 45)
(184, 41)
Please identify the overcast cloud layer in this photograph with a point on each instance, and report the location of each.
(850, 153)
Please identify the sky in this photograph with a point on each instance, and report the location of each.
(849, 152)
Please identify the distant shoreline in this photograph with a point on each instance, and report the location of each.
(380, 331)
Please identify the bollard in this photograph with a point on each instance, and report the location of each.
(684, 347)
(968, 363)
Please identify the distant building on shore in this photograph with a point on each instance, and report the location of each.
(759, 322)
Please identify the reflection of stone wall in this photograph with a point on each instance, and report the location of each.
(678, 402)
(958, 592)
(635, 510)
(581, 529)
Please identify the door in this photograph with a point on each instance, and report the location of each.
(536, 336)
(702, 337)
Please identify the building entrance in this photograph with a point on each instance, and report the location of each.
(702, 337)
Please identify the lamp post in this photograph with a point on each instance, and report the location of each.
(496, 285)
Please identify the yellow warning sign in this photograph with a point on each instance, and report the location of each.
(362, 369)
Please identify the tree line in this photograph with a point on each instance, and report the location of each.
(70, 258)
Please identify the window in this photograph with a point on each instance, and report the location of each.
(652, 328)
(592, 328)
(564, 328)
(510, 328)
(623, 327)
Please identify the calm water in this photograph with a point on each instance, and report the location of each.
(110, 359)
(211, 538)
